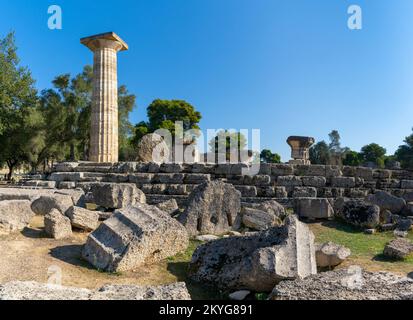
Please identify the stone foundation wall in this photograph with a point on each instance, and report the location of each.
(283, 182)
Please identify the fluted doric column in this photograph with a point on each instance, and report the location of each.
(104, 140)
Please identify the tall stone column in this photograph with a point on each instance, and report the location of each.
(104, 140)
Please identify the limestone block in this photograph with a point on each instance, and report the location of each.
(314, 208)
(57, 225)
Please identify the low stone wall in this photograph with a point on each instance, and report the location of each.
(283, 182)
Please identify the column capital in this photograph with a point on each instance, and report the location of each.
(104, 40)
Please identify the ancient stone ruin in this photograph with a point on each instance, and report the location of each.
(244, 233)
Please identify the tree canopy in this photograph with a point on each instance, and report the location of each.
(163, 114)
(404, 153)
(268, 157)
(20, 119)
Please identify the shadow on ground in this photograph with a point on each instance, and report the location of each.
(337, 225)
(382, 258)
(71, 254)
(196, 290)
(34, 233)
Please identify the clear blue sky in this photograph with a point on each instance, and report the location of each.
(285, 67)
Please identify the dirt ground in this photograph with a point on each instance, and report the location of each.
(28, 255)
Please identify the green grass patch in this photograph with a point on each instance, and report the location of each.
(366, 249)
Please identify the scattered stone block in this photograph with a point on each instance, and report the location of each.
(330, 255)
(256, 262)
(83, 219)
(15, 215)
(213, 208)
(34, 291)
(386, 201)
(360, 213)
(57, 225)
(46, 204)
(117, 195)
(314, 208)
(400, 234)
(134, 236)
(169, 206)
(153, 148)
(398, 248)
(352, 283)
(259, 220)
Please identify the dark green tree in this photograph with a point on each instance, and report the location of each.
(162, 114)
(268, 157)
(373, 153)
(404, 153)
(20, 119)
(352, 158)
(67, 108)
(320, 153)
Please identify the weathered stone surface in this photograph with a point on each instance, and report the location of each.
(65, 166)
(343, 182)
(78, 196)
(169, 178)
(66, 176)
(21, 194)
(406, 184)
(213, 208)
(247, 191)
(174, 291)
(83, 219)
(152, 148)
(141, 178)
(404, 225)
(282, 169)
(40, 184)
(197, 178)
(45, 204)
(169, 206)
(270, 206)
(67, 185)
(400, 234)
(206, 238)
(330, 255)
(258, 219)
(289, 181)
(256, 262)
(398, 248)
(15, 215)
(314, 208)
(387, 202)
(117, 195)
(304, 192)
(360, 213)
(317, 182)
(134, 236)
(18, 290)
(57, 225)
(104, 140)
(346, 284)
